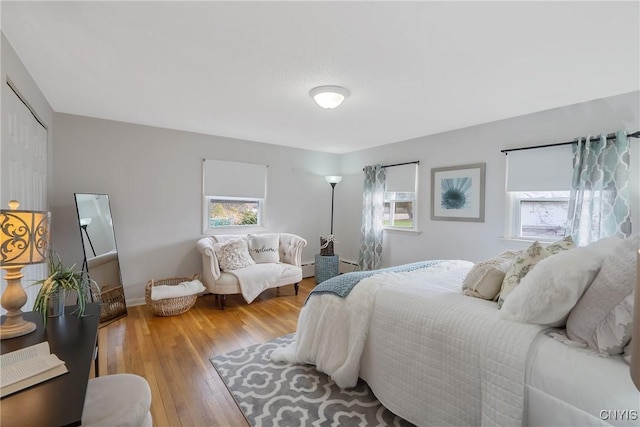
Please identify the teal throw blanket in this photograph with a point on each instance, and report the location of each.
(342, 284)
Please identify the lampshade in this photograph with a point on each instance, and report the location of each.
(24, 236)
(329, 96)
(333, 179)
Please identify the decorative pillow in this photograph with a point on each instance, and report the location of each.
(546, 295)
(233, 254)
(526, 261)
(603, 317)
(264, 248)
(561, 245)
(485, 278)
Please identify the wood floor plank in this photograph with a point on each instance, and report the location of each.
(173, 353)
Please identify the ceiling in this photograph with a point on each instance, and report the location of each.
(244, 69)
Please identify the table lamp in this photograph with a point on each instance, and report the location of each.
(24, 236)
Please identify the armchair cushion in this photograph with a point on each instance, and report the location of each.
(233, 254)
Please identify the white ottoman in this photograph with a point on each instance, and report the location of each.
(122, 400)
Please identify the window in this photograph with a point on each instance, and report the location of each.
(234, 194)
(398, 209)
(400, 197)
(540, 214)
(227, 211)
(538, 190)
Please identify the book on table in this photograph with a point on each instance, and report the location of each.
(28, 366)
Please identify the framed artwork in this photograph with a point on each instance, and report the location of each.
(457, 193)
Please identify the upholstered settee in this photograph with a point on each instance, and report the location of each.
(249, 264)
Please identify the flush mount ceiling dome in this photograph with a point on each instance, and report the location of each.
(329, 96)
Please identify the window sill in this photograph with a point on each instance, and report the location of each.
(401, 231)
(235, 229)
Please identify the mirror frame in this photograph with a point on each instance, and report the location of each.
(113, 304)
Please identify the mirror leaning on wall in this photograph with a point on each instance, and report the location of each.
(101, 260)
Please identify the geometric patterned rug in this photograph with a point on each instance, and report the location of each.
(280, 394)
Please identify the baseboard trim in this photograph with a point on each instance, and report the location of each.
(135, 301)
(308, 269)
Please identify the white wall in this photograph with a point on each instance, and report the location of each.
(469, 240)
(153, 177)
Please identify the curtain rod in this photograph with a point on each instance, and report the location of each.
(417, 162)
(610, 136)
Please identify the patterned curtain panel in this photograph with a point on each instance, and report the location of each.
(372, 212)
(599, 205)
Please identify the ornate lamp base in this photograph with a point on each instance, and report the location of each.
(16, 327)
(13, 298)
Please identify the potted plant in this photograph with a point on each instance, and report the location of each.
(61, 280)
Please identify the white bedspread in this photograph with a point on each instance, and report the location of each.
(437, 357)
(332, 331)
(577, 387)
(432, 355)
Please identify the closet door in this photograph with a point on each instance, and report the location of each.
(23, 175)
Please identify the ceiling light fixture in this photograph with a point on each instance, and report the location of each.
(329, 96)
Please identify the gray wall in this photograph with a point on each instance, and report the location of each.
(153, 177)
(469, 240)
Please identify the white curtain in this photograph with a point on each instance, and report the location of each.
(372, 212)
(24, 175)
(600, 205)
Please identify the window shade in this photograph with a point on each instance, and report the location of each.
(540, 169)
(401, 178)
(234, 179)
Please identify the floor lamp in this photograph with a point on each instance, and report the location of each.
(84, 223)
(333, 180)
(326, 245)
(24, 236)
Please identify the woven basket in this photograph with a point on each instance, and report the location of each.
(112, 303)
(169, 306)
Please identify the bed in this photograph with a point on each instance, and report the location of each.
(435, 356)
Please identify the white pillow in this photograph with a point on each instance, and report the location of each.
(485, 278)
(233, 254)
(182, 289)
(603, 318)
(546, 295)
(264, 248)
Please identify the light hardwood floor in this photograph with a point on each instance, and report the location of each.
(173, 353)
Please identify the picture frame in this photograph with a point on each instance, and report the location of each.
(457, 193)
